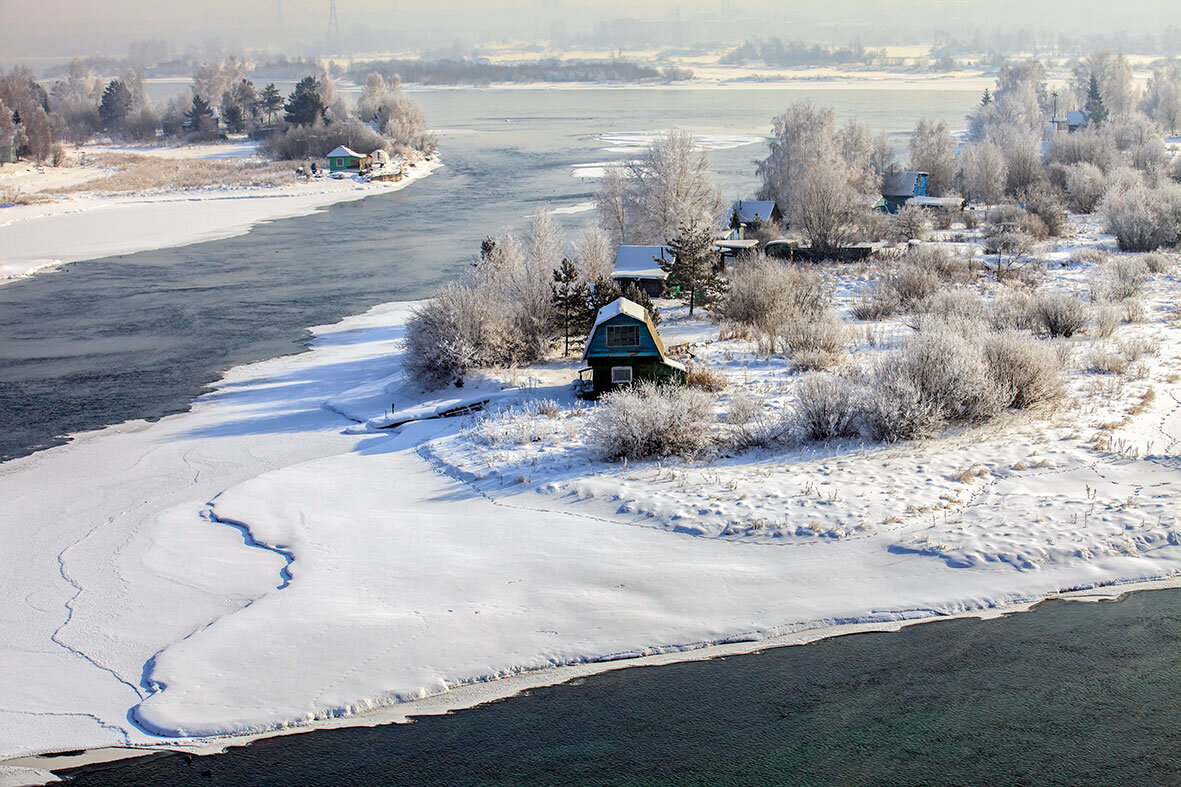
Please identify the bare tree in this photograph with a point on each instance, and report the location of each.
(822, 203)
(983, 172)
(855, 143)
(592, 251)
(612, 203)
(798, 137)
(672, 187)
(1113, 74)
(932, 150)
(1162, 99)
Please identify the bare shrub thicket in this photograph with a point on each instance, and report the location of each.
(447, 336)
(651, 421)
(1157, 262)
(1085, 184)
(827, 407)
(958, 306)
(1012, 308)
(1141, 217)
(1106, 319)
(912, 222)
(751, 423)
(1102, 359)
(1119, 279)
(705, 378)
(1060, 315)
(914, 282)
(314, 141)
(1026, 370)
(982, 172)
(818, 342)
(876, 301)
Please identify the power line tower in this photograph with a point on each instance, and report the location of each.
(333, 24)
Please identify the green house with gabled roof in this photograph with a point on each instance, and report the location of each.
(624, 348)
(343, 159)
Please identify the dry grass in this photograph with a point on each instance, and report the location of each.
(14, 196)
(138, 174)
(705, 378)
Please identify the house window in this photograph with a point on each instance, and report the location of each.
(621, 375)
(623, 336)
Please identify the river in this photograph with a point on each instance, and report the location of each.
(1069, 693)
(141, 335)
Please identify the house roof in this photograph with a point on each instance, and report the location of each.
(936, 202)
(900, 184)
(343, 151)
(639, 262)
(1076, 117)
(628, 309)
(747, 210)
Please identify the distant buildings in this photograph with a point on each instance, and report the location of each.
(639, 265)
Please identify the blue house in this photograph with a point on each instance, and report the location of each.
(749, 211)
(623, 348)
(898, 187)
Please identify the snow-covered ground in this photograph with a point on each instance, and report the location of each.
(267, 560)
(60, 228)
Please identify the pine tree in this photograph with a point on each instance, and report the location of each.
(271, 102)
(986, 99)
(199, 114)
(692, 267)
(602, 292)
(115, 105)
(570, 299)
(1096, 112)
(304, 105)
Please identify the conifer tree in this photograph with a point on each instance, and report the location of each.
(570, 299)
(270, 102)
(637, 294)
(304, 105)
(986, 99)
(692, 266)
(199, 114)
(1096, 112)
(115, 105)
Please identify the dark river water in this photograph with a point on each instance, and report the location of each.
(139, 336)
(1069, 694)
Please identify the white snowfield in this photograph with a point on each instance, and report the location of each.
(90, 226)
(252, 566)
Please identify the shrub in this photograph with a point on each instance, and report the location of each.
(1143, 218)
(444, 336)
(971, 219)
(957, 306)
(1042, 202)
(1136, 347)
(1104, 360)
(912, 283)
(1058, 314)
(314, 141)
(1085, 185)
(1107, 318)
(876, 301)
(818, 342)
(1024, 368)
(892, 406)
(912, 222)
(946, 264)
(1118, 280)
(647, 420)
(1012, 309)
(827, 408)
(752, 424)
(1157, 262)
(763, 293)
(705, 378)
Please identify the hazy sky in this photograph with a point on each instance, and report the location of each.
(54, 28)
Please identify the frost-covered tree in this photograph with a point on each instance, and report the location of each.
(611, 201)
(396, 115)
(983, 172)
(855, 144)
(823, 205)
(798, 137)
(1162, 99)
(594, 256)
(1104, 80)
(1021, 100)
(569, 298)
(1085, 185)
(932, 150)
(672, 186)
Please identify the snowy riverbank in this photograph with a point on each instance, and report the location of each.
(263, 563)
(59, 227)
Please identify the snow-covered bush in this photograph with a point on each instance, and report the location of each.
(1042, 201)
(1088, 146)
(1143, 218)
(914, 282)
(649, 420)
(1012, 308)
(1085, 184)
(947, 265)
(893, 407)
(982, 172)
(705, 378)
(912, 222)
(816, 342)
(1119, 279)
(445, 335)
(827, 407)
(1026, 370)
(1157, 262)
(764, 295)
(1102, 359)
(1060, 315)
(1106, 318)
(1136, 347)
(751, 423)
(957, 306)
(876, 301)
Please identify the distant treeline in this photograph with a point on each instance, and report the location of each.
(459, 72)
(774, 52)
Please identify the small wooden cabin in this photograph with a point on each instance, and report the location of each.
(343, 159)
(639, 265)
(624, 348)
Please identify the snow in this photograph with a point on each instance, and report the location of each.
(267, 560)
(44, 235)
(640, 262)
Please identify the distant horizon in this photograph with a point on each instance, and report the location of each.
(48, 30)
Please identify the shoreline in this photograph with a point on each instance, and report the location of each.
(105, 226)
(470, 695)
